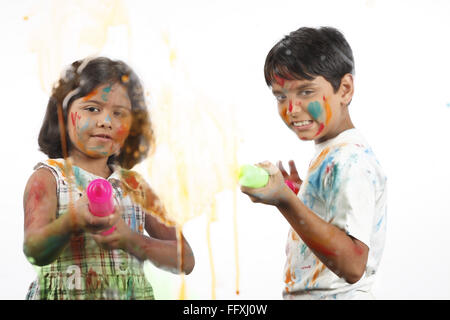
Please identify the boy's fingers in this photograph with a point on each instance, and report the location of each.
(282, 170)
(269, 167)
(293, 169)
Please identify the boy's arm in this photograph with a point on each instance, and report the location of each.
(344, 255)
(341, 253)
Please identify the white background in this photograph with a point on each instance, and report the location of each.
(401, 104)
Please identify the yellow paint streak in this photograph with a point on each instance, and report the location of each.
(210, 252)
(64, 31)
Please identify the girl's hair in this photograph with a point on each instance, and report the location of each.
(310, 52)
(78, 80)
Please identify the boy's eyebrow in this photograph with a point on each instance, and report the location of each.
(298, 87)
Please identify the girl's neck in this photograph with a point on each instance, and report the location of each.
(97, 166)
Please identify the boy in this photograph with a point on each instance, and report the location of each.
(338, 219)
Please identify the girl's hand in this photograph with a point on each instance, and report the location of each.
(275, 192)
(293, 176)
(118, 239)
(84, 220)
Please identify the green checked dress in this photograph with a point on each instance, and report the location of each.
(84, 270)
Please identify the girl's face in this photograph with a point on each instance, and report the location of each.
(99, 123)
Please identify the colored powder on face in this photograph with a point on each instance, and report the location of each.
(290, 105)
(279, 80)
(108, 119)
(320, 129)
(284, 115)
(315, 109)
(106, 91)
(90, 95)
(73, 116)
(327, 111)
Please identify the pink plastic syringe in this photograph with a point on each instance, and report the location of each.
(101, 202)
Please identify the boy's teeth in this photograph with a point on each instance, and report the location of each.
(302, 123)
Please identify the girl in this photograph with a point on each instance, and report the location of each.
(96, 126)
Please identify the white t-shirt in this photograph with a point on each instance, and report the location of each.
(346, 187)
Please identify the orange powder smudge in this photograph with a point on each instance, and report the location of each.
(327, 111)
(58, 164)
(319, 269)
(125, 78)
(284, 115)
(289, 277)
(90, 95)
(319, 159)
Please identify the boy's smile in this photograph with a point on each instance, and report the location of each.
(311, 108)
(99, 122)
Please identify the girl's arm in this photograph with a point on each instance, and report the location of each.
(46, 236)
(160, 247)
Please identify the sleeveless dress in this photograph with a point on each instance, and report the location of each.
(84, 270)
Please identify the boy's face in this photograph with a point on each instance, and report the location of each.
(99, 123)
(312, 109)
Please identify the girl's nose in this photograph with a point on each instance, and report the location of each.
(104, 122)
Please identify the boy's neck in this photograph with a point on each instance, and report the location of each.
(97, 166)
(345, 125)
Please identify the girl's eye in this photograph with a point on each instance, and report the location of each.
(92, 109)
(121, 113)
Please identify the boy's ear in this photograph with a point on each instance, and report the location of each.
(346, 89)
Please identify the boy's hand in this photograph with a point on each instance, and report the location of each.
(118, 239)
(86, 221)
(275, 192)
(293, 176)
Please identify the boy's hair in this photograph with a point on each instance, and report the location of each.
(78, 80)
(309, 52)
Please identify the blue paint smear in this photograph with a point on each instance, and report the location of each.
(80, 179)
(108, 118)
(315, 109)
(133, 220)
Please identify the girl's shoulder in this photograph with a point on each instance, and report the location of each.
(132, 179)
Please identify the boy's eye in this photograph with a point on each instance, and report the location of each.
(306, 92)
(280, 97)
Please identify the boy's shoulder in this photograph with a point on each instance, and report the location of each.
(345, 155)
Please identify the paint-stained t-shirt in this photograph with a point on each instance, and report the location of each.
(84, 270)
(346, 187)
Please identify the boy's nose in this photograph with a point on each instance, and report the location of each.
(104, 122)
(294, 106)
